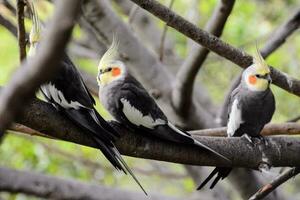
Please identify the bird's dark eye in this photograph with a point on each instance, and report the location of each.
(258, 76)
(100, 71)
(109, 69)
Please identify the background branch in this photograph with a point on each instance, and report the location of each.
(21, 29)
(8, 25)
(21, 88)
(42, 186)
(185, 78)
(268, 188)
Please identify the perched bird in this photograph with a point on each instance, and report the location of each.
(68, 94)
(251, 106)
(130, 104)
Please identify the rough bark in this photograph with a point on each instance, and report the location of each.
(44, 118)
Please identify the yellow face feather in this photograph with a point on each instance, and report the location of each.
(109, 65)
(257, 76)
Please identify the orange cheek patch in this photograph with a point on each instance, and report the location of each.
(252, 80)
(116, 71)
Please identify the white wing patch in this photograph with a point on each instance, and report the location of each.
(136, 117)
(52, 92)
(235, 119)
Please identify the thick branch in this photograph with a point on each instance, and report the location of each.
(44, 118)
(214, 44)
(48, 187)
(185, 78)
(33, 73)
(268, 188)
(21, 29)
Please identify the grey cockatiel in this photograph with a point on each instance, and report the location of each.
(69, 95)
(251, 106)
(130, 104)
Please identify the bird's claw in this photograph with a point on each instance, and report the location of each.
(263, 140)
(249, 139)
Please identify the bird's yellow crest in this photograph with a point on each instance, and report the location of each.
(109, 67)
(110, 55)
(260, 64)
(257, 76)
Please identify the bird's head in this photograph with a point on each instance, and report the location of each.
(110, 68)
(35, 33)
(257, 76)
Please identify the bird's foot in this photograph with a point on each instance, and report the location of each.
(249, 139)
(263, 140)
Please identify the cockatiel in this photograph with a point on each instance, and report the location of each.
(130, 104)
(69, 95)
(251, 106)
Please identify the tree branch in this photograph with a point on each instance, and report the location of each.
(163, 36)
(281, 34)
(21, 29)
(269, 130)
(185, 78)
(33, 73)
(48, 187)
(9, 6)
(214, 44)
(268, 188)
(9, 26)
(44, 118)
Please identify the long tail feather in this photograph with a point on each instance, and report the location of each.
(185, 135)
(117, 153)
(212, 174)
(115, 158)
(222, 172)
(210, 149)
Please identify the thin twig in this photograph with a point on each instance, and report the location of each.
(24, 129)
(185, 78)
(295, 119)
(163, 36)
(32, 74)
(269, 130)
(215, 44)
(21, 29)
(268, 188)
